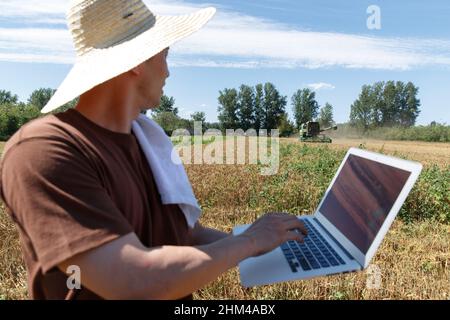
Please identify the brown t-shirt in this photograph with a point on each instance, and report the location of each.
(71, 185)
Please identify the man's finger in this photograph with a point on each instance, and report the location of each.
(292, 235)
(295, 223)
(303, 228)
(288, 218)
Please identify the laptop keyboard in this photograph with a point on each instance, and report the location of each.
(313, 253)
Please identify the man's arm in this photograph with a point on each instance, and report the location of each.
(125, 269)
(204, 235)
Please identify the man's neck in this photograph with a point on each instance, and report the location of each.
(111, 112)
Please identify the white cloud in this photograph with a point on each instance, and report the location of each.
(36, 45)
(230, 40)
(321, 85)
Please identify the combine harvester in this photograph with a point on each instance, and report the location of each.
(311, 132)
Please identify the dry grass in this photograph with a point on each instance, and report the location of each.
(427, 153)
(414, 258)
(12, 271)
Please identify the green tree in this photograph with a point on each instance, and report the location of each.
(286, 127)
(389, 111)
(228, 108)
(9, 120)
(168, 121)
(188, 125)
(377, 104)
(361, 109)
(40, 97)
(198, 116)
(274, 105)
(305, 106)
(412, 109)
(246, 107)
(326, 115)
(386, 104)
(6, 97)
(14, 116)
(27, 113)
(166, 105)
(400, 102)
(259, 110)
(212, 125)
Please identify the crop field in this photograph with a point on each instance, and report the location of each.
(428, 153)
(413, 260)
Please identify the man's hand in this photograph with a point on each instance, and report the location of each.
(273, 229)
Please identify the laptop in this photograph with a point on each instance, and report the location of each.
(348, 226)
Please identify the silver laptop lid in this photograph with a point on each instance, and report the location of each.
(364, 198)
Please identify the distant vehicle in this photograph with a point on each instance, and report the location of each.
(311, 132)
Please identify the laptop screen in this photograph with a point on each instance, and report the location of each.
(361, 198)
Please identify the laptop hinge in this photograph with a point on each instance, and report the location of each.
(333, 238)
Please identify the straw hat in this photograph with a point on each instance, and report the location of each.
(113, 36)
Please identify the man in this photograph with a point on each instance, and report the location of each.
(78, 186)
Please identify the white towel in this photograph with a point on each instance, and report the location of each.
(167, 168)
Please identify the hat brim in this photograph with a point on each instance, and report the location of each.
(101, 65)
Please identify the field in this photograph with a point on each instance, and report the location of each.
(428, 153)
(414, 258)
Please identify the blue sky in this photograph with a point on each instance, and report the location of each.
(325, 45)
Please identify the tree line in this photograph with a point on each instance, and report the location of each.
(15, 113)
(383, 104)
(167, 116)
(386, 104)
(264, 107)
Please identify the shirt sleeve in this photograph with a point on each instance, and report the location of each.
(55, 194)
